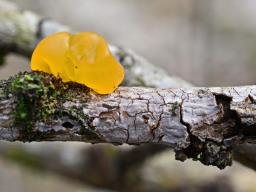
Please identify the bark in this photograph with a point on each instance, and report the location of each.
(28, 28)
(21, 30)
(202, 123)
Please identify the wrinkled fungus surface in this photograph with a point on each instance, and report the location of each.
(82, 58)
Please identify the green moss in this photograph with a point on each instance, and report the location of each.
(39, 97)
(36, 96)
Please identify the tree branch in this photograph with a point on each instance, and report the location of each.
(21, 30)
(203, 123)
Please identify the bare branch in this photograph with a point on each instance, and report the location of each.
(203, 123)
(21, 30)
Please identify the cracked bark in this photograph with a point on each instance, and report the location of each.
(21, 30)
(199, 123)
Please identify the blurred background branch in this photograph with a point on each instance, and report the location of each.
(199, 39)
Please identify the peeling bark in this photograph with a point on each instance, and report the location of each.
(202, 123)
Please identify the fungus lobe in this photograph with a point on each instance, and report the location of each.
(82, 58)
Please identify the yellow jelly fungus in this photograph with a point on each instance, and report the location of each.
(83, 58)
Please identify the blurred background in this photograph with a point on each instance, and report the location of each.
(208, 43)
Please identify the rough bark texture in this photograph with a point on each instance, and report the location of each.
(129, 115)
(202, 123)
(21, 30)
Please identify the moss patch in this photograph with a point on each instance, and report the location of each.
(36, 96)
(42, 99)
